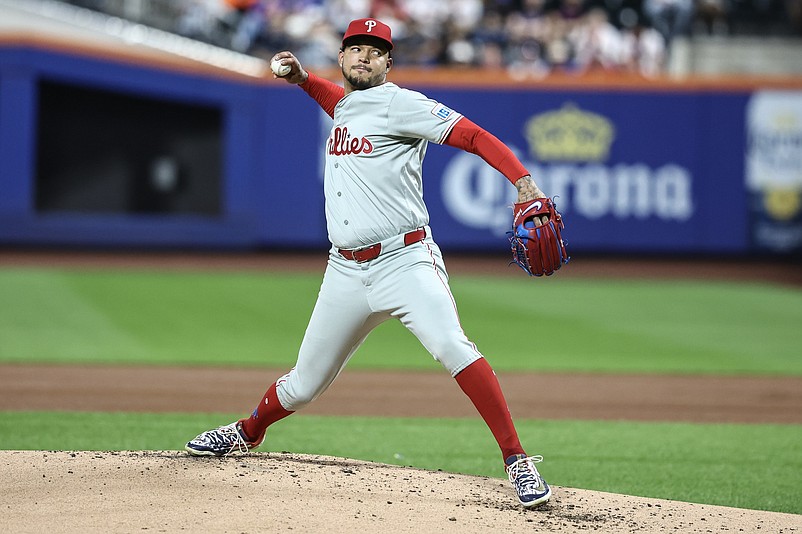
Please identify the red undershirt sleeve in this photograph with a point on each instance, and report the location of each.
(325, 92)
(468, 136)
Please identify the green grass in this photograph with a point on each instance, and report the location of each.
(255, 319)
(746, 466)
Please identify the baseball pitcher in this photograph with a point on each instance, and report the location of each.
(384, 263)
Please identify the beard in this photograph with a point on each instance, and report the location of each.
(358, 81)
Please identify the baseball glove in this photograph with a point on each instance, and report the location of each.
(538, 250)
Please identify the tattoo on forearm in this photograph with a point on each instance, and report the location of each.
(527, 189)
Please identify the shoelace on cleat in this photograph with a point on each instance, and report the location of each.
(524, 475)
(226, 437)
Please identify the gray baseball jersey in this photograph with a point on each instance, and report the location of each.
(374, 155)
(374, 193)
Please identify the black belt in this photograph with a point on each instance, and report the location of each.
(361, 255)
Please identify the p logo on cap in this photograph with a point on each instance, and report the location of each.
(371, 28)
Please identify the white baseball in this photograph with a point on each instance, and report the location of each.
(279, 69)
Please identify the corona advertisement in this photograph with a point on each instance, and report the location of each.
(611, 192)
(774, 170)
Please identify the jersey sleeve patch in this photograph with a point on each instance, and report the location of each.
(442, 112)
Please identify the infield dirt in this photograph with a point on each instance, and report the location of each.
(80, 492)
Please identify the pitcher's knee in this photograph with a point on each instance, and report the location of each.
(294, 394)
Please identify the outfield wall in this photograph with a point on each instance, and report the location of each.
(103, 151)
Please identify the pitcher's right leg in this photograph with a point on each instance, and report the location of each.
(340, 322)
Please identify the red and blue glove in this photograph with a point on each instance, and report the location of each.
(538, 250)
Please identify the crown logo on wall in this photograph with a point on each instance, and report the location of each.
(569, 134)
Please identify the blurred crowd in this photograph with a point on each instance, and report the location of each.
(526, 37)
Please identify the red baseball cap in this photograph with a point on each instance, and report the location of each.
(369, 28)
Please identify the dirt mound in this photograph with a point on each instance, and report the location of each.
(168, 491)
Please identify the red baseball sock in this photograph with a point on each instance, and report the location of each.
(268, 412)
(479, 383)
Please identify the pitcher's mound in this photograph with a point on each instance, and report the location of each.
(169, 491)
